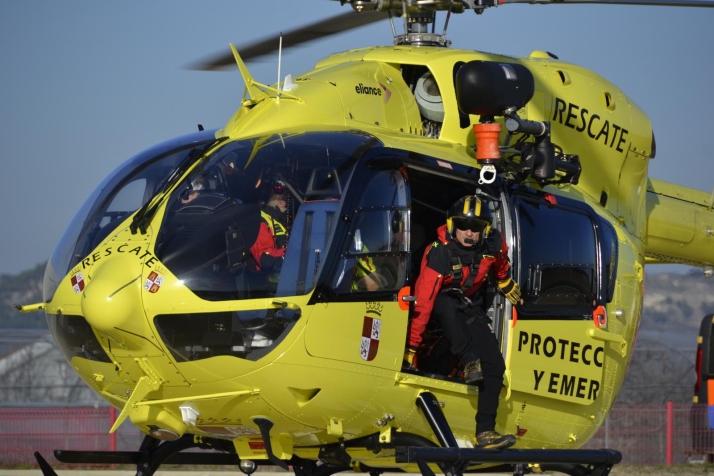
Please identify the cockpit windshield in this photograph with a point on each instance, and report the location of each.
(117, 197)
(255, 218)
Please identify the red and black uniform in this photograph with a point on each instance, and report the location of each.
(450, 288)
(268, 251)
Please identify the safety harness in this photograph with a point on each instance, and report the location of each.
(457, 291)
(277, 229)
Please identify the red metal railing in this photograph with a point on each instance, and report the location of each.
(26, 430)
(671, 433)
(645, 434)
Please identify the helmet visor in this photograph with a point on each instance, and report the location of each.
(477, 226)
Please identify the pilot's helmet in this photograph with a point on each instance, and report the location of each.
(276, 193)
(199, 183)
(229, 163)
(471, 213)
(278, 188)
(193, 188)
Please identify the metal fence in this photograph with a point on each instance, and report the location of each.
(26, 430)
(652, 434)
(645, 434)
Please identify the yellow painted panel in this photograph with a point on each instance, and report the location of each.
(556, 359)
(362, 333)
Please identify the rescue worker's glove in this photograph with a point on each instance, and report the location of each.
(408, 362)
(510, 289)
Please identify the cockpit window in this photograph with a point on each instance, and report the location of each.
(377, 258)
(117, 197)
(255, 218)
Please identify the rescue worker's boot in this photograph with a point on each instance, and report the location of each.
(494, 440)
(472, 372)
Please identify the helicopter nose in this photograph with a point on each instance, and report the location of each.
(113, 295)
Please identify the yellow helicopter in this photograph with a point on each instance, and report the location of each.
(152, 298)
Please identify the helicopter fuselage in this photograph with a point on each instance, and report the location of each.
(160, 311)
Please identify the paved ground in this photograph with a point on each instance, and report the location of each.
(682, 470)
(89, 472)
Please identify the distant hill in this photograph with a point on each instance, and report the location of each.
(23, 288)
(662, 366)
(675, 300)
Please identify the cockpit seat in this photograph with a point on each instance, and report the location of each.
(308, 242)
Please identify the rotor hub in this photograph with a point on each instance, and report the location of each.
(421, 39)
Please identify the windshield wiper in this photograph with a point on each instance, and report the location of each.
(143, 216)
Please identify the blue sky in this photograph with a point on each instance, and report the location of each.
(87, 84)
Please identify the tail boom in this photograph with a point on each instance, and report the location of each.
(680, 225)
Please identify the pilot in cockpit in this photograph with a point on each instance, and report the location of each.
(274, 212)
(268, 251)
(193, 190)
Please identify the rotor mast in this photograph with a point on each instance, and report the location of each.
(419, 14)
(419, 17)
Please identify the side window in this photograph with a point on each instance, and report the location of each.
(609, 256)
(558, 259)
(377, 255)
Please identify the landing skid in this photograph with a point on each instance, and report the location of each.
(572, 462)
(408, 449)
(152, 454)
(453, 460)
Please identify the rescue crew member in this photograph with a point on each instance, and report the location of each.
(268, 251)
(193, 190)
(365, 277)
(370, 277)
(450, 287)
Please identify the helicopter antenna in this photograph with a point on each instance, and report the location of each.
(280, 60)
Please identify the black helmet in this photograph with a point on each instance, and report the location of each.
(273, 188)
(469, 212)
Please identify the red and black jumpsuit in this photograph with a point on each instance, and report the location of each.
(268, 251)
(465, 325)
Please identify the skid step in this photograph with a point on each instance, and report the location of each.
(574, 462)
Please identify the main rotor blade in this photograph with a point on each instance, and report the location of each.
(663, 3)
(313, 31)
